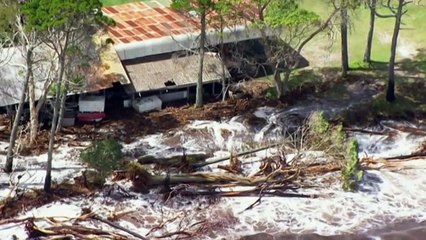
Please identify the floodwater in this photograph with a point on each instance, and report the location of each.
(388, 200)
(386, 197)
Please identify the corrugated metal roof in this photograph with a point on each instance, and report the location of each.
(149, 74)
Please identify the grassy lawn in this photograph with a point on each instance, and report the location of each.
(412, 35)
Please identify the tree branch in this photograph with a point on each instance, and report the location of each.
(320, 29)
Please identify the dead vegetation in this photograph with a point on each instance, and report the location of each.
(71, 228)
(25, 200)
(278, 175)
(127, 125)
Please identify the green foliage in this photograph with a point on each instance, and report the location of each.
(288, 14)
(116, 2)
(351, 172)
(198, 6)
(360, 64)
(338, 135)
(63, 14)
(318, 125)
(104, 156)
(323, 136)
(333, 142)
(8, 13)
(54, 88)
(271, 93)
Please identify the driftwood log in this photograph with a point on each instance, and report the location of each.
(404, 128)
(217, 160)
(174, 161)
(195, 160)
(144, 180)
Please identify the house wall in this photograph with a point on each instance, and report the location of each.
(173, 96)
(91, 103)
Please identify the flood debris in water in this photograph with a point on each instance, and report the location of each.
(261, 174)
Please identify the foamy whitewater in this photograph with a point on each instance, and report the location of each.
(385, 196)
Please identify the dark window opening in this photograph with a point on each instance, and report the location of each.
(170, 83)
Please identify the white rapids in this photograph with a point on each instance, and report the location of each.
(385, 196)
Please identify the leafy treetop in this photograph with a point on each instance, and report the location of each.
(285, 13)
(66, 14)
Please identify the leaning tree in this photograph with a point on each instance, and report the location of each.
(286, 29)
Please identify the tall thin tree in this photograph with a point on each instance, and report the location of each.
(74, 18)
(372, 6)
(344, 21)
(202, 8)
(396, 12)
(27, 40)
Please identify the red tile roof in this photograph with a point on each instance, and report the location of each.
(138, 21)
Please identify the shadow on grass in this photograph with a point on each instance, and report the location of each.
(373, 65)
(303, 77)
(415, 65)
(403, 107)
(370, 113)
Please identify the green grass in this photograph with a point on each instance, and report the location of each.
(403, 107)
(412, 35)
(302, 77)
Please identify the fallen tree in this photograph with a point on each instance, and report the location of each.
(66, 227)
(143, 179)
(184, 161)
(195, 161)
(248, 152)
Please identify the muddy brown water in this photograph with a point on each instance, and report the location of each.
(407, 230)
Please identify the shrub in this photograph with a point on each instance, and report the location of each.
(271, 94)
(351, 172)
(104, 156)
(322, 136)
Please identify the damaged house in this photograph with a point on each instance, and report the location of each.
(153, 60)
(156, 44)
(90, 80)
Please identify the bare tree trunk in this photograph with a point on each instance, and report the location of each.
(33, 112)
(222, 52)
(279, 84)
(62, 107)
(48, 179)
(390, 92)
(286, 79)
(344, 39)
(12, 140)
(367, 55)
(199, 93)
